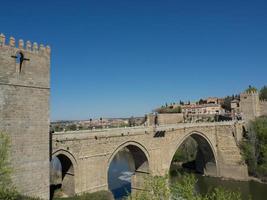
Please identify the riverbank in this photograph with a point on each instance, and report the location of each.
(101, 195)
(258, 180)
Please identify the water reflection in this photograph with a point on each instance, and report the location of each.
(119, 175)
(55, 171)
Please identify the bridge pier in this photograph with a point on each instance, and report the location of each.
(138, 180)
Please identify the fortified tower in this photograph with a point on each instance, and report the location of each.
(24, 112)
(250, 105)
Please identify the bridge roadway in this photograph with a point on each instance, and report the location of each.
(86, 155)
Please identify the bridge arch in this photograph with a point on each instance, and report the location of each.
(138, 167)
(207, 151)
(68, 171)
(139, 147)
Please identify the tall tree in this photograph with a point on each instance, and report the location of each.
(201, 101)
(131, 121)
(263, 93)
(227, 103)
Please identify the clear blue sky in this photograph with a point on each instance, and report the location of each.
(117, 58)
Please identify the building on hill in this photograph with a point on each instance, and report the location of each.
(203, 109)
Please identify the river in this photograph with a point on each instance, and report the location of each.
(122, 166)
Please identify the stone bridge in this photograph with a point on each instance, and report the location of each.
(86, 155)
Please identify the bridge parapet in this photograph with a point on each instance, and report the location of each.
(117, 132)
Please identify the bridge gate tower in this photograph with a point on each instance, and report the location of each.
(24, 113)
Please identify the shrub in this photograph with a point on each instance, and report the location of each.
(221, 194)
(158, 188)
(254, 148)
(155, 188)
(8, 194)
(5, 169)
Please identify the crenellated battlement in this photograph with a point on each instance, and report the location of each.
(29, 46)
(24, 63)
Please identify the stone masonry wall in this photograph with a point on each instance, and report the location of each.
(263, 108)
(164, 119)
(249, 105)
(170, 118)
(24, 113)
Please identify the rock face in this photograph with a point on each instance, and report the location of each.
(24, 113)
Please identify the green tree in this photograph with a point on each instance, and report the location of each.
(263, 93)
(72, 127)
(251, 89)
(4, 164)
(185, 189)
(227, 103)
(7, 191)
(155, 188)
(131, 121)
(58, 128)
(201, 101)
(221, 194)
(254, 148)
(169, 109)
(159, 188)
(248, 153)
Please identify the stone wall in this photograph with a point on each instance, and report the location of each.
(24, 113)
(263, 108)
(249, 105)
(170, 118)
(164, 119)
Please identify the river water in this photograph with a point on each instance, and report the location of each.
(122, 167)
(255, 190)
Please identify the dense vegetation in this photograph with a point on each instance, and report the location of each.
(254, 148)
(251, 89)
(263, 93)
(7, 191)
(4, 165)
(169, 109)
(158, 188)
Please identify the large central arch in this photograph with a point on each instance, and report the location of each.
(206, 158)
(140, 157)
